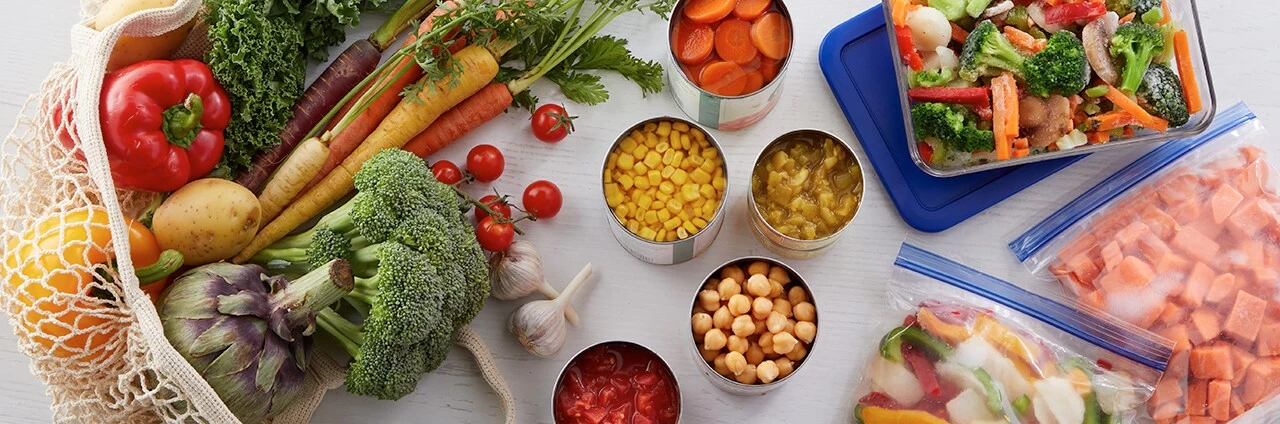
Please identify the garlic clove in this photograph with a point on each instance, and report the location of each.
(517, 272)
(540, 326)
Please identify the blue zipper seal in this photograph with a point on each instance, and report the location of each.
(1108, 335)
(1116, 185)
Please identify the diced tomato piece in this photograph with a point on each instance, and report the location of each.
(1219, 399)
(1204, 326)
(1211, 362)
(1197, 397)
(1195, 244)
(1224, 202)
(1245, 318)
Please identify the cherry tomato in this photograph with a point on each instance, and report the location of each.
(551, 123)
(498, 205)
(542, 199)
(494, 236)
(446, 172)
(486, 163)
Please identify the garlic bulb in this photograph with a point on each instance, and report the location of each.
(540, 325)
(517, 272)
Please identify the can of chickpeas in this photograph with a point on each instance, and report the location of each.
(754, 325)
(806, 187)
(664, 186)
(726, 71)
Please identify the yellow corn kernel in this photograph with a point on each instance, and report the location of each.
(709, 209)
(679, 157)
(661, 197)
(651, 127)
(697, 134)
(675, 206)
(626, 182)
(671, 236)
(612, 195)
(684, 215)
(707, 191)
(634, 227)
(700, 176)
(693, 151)
(650, 217)
(664, 214)
(612, 161)
(662, 147)
(655, 177)
(631, 209)
(664, 128)
(694, 162)
(689, 192)
(667, 187)
(626, 161)
(680, 176)
(658, 205)
(639, 152)
(668, 172)
(628, 144)
(698, 203)
(639, 169)
(671, 224)
(608, 178)
(680, 126)
(641, 183)
(634, 195)
(710, 153)
(718, 183)
(685, 141)
(699, 222)
(682, 233)
(653, 159)
(648, 234)
(620, 212)
(644, 200)
(650, 140)
(709, 166)
(668, 156)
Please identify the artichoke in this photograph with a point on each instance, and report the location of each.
(247, 332)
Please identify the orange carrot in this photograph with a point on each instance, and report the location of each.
(724, 79)
(1023, 40)
(770, 69)
(708, 11)
(1098, 137)
(898, 10)
(1011, 89)
(693, 42)
(1128, 105)
(1128, 18)
(485, 105)
(958, 34)
(751, 9)
(1187, 72)
(1111, 120)
(755, 81)
(1168, 15)
(1000, 115)
(1020, 143)
(772, 35)
(733, 41)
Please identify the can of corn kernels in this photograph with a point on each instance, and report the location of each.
(724, 113)
(782, 244)
(651, 204)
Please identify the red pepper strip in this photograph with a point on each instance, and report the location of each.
(906, 48)
(923, 370)
(926, 154)
(879, 400)
(1069, 12)
(972, 96)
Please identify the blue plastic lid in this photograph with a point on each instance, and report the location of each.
(859, 67)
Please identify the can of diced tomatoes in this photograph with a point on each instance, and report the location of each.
(713, 105)
(677, 250)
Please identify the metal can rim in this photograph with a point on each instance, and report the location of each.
(862, 176)
(782, 9)
(817, 313)
(675, 380)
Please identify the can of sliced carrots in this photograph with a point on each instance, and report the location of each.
(727, 59)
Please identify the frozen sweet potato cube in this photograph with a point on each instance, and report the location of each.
(1253, 155)
(1178, 334)
(1211, 362)
(1151, 247)
(1244, 253)
(1255, 215)
(1111, 254)
(1237, 405)
(1131, 273)
(1245, 317)
(1219, 400)
(1172, 263)
(1240, 361)
(1263, 380)
(1199, 420)
(1197, 397)
(1161, 224)
(1220, 288)
(1268, 343)
(1179, 189)
(1173, 314)
(1224, 202)
(1197, 286)
(1168, 390)
(1081, 268)
(1094, 299)
(1186, 212)
(1195, 244)
(1130, 234)
(1178, 365)
(1165, 412)
(1204, 326)
(1266, 279)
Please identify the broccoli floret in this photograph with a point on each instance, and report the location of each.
(1141, 7)
(1161, 91)
(932, 77)
(382, 368)
(987, 52)
(952, 126)
(1060, 68)
(1137, 43)
(1121, 7)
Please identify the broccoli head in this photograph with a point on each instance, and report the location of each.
(1137, 43)
(1161, 91)
(951, 125)
(381, 368)
(987, 52)
(932, 77)
(1061, 68)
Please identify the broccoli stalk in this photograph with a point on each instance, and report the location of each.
(1060, 68)
(987, 52)
(951, 125)
(1137, 43)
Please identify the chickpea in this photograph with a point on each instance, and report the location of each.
(789, 327)
(743, 326)
(709, 355)
(702, 323)
(775, 289)
(755, 354)
(738, 344)
(721, 366)
(761, 307)
(806, 331)
(714, 340)
(733, 273)
(736, 362)
(798, 353)
(758, 267)
(758, 285)
(783, 343)
(712, 284)
(722, 318)
(785, 367)
(776, 323)
(804, 311)
(697, 309)
(767, 371)
(766, 343)
(739, 304)
(797, 295)
(748, 375)
(709, 299)
(782, 306)
(728, 287)
(779, 274)
(760, 326)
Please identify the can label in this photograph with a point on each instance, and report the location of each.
(722, 113)
(669, 253)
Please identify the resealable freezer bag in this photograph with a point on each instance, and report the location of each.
(1185, 242)
(964, 347)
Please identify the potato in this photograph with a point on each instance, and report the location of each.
(130, 50)
(207, 220)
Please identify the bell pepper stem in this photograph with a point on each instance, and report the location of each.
(169, 262)
(181, 122)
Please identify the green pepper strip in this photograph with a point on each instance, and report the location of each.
(1092, 410)
(1022, 405)
(994, 400)
(891, 344)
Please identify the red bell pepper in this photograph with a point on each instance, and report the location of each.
(162, 123)
(924, 371)
(879, 400)
(978, 97)
(907, 48)
(1070, 12)
(926, 154)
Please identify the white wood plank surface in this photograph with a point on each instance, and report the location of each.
(648, 304)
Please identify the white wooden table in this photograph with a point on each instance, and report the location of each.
(631, 300)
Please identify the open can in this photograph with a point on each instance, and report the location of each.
(670, 252)
(780, 243)
(725, 113)
(732, 386)
(665, 369)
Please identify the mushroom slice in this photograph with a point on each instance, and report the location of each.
(1097, 46)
